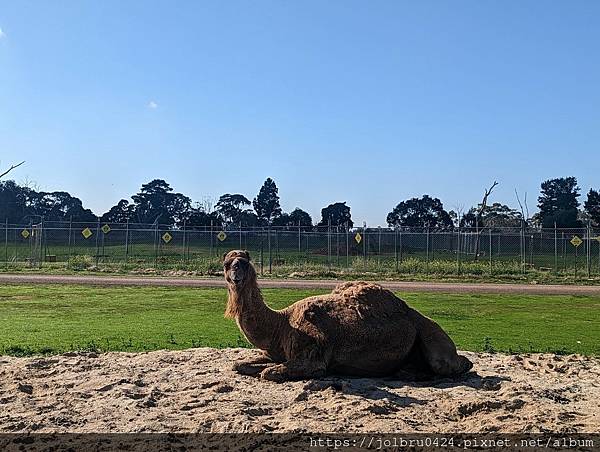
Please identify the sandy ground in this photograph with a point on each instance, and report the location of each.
(181, 280)
(196, 391)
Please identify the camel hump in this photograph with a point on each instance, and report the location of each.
(361, 290)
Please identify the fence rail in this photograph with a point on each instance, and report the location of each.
(497, 250)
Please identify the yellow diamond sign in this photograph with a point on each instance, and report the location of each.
(86, 233)
(221, 236)
(105, 229)
(358, 237)
(25, 233)
(576, 241)
(167, 237)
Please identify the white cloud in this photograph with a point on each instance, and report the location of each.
(152, 105)
(2, 34)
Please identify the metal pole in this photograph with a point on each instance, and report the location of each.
(396, 247)
(6, 243)
(70, 232)
(347, 246)
(270, 251)
(490, 251)
(458, 251)
(427, 253)
(555, 250)
(211, 238)
(337, 236)
(42, 242)
(97, 244)
(564, 252)
(262, 246)
(379, 246)
(241, 235)
(299, 239)
(183, 244)
(127, 241)
(588, 251)
(156, 244)
(365, 241)
(329, 241)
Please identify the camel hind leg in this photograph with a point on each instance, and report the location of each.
(437, 348)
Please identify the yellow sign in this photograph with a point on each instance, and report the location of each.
(167, 237)
(105, 229)
(358, 237)
(576, 241)
(25, 233)
(597, 238)
(86, 233)
(221, 236)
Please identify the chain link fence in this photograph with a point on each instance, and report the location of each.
(415, 250)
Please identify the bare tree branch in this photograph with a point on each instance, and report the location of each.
(520, 205)
(11, 168)
(486, 194)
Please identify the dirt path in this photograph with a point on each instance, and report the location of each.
(196, 391)
(404, 286)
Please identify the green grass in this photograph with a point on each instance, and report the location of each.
(53, 319)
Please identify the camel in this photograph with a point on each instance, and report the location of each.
(359, 329)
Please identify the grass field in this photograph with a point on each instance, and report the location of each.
(54, 319)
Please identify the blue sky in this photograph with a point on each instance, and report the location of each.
(365, 102)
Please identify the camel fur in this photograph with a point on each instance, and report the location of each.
(359, 329)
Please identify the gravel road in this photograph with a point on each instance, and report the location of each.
(402, 286)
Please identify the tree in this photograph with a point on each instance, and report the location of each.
(495, 215)
(420, 212)
(592, 206)
(297, 218)
(336, 214)
(266, 204)
(230, 207)
(558, 203)
(121, 213)
(156, 203)
(302, 218)
(199, 218)
(15, 201)
(59, 206)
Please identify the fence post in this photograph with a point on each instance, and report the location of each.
(378, 246)
(588, 250)
(262, 246)
(70, 232)
(365, 242)
(458, 251)
(490, 251)
(555, 250)
(270, 251)
(396, 247)
(6, 243)
(329, 242)
(299, 239)
(427, 253)
(241, 236)
(127, 240)
(211, 238)
(337, 244)
(347, 246)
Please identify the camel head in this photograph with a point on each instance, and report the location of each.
(239, 272)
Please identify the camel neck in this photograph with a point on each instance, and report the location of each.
(260, 324)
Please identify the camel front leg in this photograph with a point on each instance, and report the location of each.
(294, 370)
(254, 366)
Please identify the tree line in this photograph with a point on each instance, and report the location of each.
(157, 203)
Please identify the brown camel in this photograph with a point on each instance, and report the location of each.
(359, 329)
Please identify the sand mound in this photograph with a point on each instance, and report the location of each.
(196, 391)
